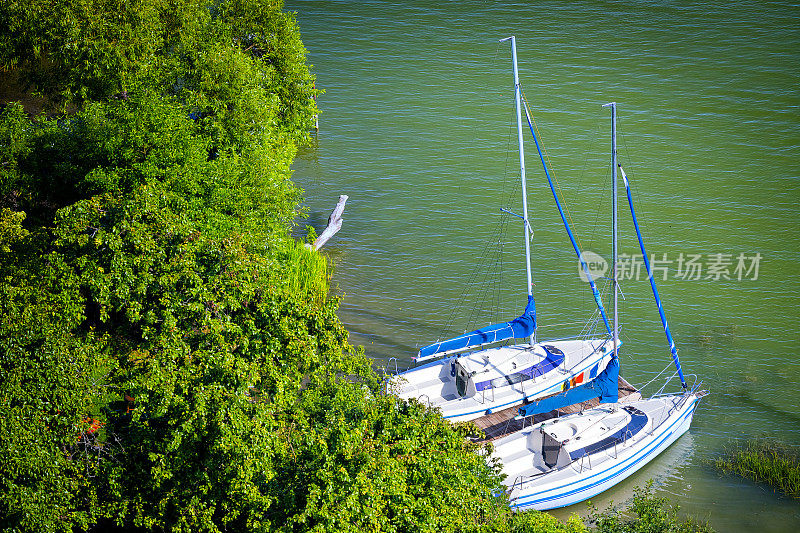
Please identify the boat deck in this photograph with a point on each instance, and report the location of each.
(502, 423)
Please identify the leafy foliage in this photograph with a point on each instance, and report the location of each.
(11, 229)
(238, 64)
(51, 383)
(652, 515)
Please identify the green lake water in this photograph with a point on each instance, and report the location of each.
(417, 127)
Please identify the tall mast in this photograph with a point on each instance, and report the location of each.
(614, 260)
(525, 223)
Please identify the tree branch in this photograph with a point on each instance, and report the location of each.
(334, 224)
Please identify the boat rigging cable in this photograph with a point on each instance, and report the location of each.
(584, 266)
(671, 342)
(487, 274)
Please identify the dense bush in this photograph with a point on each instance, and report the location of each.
(647, 514)
(159, 327)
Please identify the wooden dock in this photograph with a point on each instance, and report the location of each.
(503, 422)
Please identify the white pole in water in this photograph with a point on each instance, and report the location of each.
(525, 222)
(614, 261)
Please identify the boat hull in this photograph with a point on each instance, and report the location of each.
(591, 475)
(435, 383)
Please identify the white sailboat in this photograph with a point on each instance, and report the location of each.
(566, 460)
(471, 375)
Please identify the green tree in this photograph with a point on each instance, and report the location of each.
(146, 287)
(238, 64)
(52, 396)
(171, 359)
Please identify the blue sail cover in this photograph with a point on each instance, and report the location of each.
(605, 387)
(518, 328)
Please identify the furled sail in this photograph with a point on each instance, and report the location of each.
(520, 327)
(664, 323)
(604, 386)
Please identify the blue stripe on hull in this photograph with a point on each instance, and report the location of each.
(635, 463)
(552, 360)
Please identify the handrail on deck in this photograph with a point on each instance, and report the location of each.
(420, 397)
